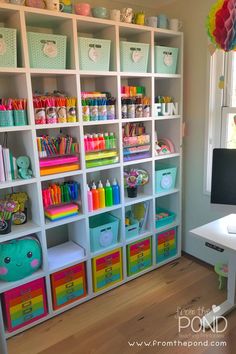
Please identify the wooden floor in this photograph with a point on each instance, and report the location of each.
(141, 310)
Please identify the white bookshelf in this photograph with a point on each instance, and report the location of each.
(21, 81)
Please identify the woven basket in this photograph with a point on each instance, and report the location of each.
(8, 51)
(47, 51)
(94, 54)
(134, 56)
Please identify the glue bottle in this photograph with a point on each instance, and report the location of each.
(101, 192)
(90, 199)
(108, 194)
(95, 195)
(115, 192)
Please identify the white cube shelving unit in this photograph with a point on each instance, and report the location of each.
(21, 81)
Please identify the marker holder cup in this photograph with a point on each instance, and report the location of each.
(20, 117)
(6, 118)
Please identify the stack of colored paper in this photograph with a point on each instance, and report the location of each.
(58, 212)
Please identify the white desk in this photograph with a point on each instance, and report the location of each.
(217, 237)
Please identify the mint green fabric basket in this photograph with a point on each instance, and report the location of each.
(134, 57)
(8, 47)
(47, 51)
(94, 54)
(166, 60)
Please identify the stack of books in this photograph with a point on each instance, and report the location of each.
(8, 166)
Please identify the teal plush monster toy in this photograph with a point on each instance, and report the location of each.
(23, 163)
(19, 258)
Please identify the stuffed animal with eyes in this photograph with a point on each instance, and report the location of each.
(23, 163)
(19, 258)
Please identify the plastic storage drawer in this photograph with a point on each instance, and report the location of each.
(166, 60)
(47, 51)
(103, 231)
(139, 256)
(165, 178)
(8, 47)
(165, 220)
(94, 54)
(166, 245)
(134, 56)
(24, 304)
(68, 285)
(107, 270)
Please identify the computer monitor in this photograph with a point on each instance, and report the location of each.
(223, 184)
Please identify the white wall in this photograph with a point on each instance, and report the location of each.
(197, 208)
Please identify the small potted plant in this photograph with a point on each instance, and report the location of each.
(133, 179)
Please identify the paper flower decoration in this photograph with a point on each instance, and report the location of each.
(135, 177)
(221, 24)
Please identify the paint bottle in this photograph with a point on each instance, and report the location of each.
(86, 143)
(102, 144)
(101, 192)
(96, 141)
(90, 199)
(107, 141)
(112, 141)
(115, 192)
(108, 194)
(95, 195)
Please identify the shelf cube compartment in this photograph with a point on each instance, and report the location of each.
(166, 243)
(94, 54)
(166, 60)
(107, 270)
(134, 56)
(70, 188)
(25, 304)
(165, 178)
(138, 219)
(66, 245)
(47, 51)
(68, 285)
(167, 210)
(8, 47)
(139, 256)
(103, 230)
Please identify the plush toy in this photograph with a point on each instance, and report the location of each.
(19, 258)
(23, 163)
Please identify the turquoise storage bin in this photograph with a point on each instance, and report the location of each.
(134, 57)
(103, 231)
(165, 221)
(165, 178)
(94, 54)
(47, 51)
(6, 119)
(8, 47)
(166, 60)
(132, 230)
(20, 117)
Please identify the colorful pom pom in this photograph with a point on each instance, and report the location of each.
(221, 24)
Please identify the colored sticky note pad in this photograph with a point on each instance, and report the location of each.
(58, 212)
(139, 256)
(68, 285)
(107, 269)
(166, 245)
